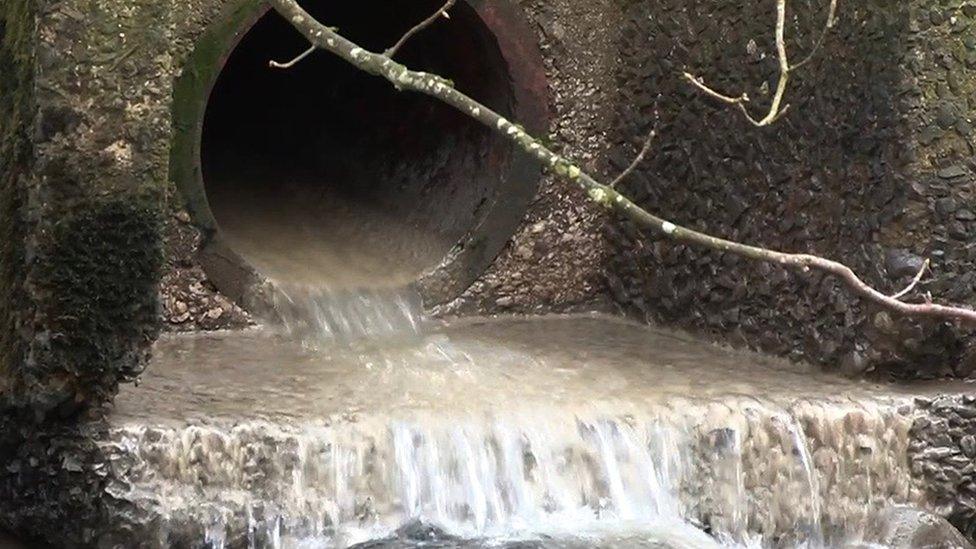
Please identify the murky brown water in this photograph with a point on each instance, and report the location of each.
(589, 429)
(469, 366)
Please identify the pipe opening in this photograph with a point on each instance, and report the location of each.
(321, 174)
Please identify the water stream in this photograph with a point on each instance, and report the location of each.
(322, 318)
(565, 431)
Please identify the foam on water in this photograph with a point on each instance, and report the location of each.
(672, 472)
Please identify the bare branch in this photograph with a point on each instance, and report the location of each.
(640, 158)
(915, 281)
(784, 75)
(293, 62)
(443, 12)
(831, 18)
(737, 101)
(440, 88)
(776, 108)
(700, 83)
(784, 64)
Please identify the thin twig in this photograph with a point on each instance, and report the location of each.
(440, 88)
(739, 102)
(640, 158)
(776, 108)
(831, 18)
(915, 281)
(391, 53)
(293, 62)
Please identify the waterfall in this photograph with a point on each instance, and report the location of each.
(567, 428)
(320, 317)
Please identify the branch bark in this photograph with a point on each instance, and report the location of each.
(443, 90)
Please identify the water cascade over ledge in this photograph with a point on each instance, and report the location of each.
(567, 428)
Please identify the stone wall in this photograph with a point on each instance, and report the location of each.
(872, 165)
(17, 39)
(942, 454)
(94, 222)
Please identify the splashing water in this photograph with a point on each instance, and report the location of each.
(320, 317)
(589, 430)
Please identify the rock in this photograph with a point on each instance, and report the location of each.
(415, 533)
(900, 262)
(968, 445)
(967, 366)
(945, 207)
(853, 364)
(965, 215)
(418, 530)
(506, 301)
(958, 231)
(945, 118)
(953, 172)
(903, 527)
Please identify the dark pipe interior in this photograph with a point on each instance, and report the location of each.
(323, 174)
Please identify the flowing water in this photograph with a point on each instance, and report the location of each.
(321, 318)
(564, 431)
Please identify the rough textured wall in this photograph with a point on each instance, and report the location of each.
(871, 166)
(17, 39)
(943, 457)
(92, 246)
(50, 479)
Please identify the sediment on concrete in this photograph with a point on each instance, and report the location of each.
(115, 482)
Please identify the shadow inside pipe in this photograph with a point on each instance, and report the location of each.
(322, 174)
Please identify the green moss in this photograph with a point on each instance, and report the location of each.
(190, 95)
(17, 25)
(99, 275)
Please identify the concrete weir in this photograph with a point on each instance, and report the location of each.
(607, 427)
